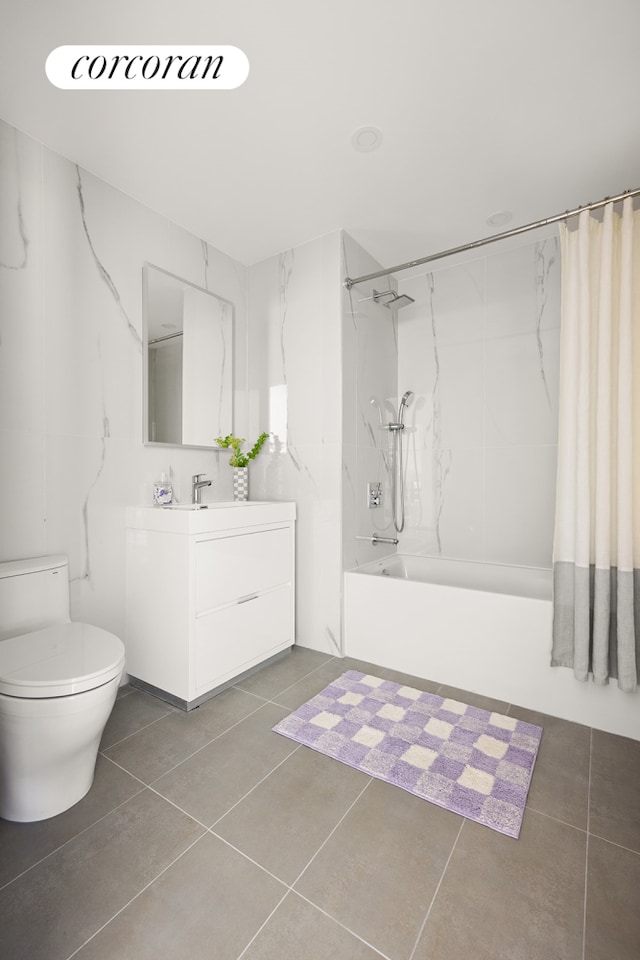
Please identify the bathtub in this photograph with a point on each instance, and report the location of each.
(481, 627)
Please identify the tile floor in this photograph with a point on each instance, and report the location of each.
(206, 835)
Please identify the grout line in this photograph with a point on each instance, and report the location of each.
(619, 846)
(435, 894)
(550, 816)
(299, 680)
(328, 837)
(586, 853)
(249, 693)
(263, 924)
(138, 894)
(176, 806)
(208, 743)
(340, 924)
(124, 770)
(139, 730)
(76, 835)
(246, 856)
(290, 887)
(255, 786)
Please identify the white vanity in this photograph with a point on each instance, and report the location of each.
(210, 594)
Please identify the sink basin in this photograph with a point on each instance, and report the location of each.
(210, 517)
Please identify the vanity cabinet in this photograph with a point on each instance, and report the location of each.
(210, 595)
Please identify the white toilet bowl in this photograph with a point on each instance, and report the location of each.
(57, 689)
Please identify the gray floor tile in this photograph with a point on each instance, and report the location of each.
(560, 783)
(131, 713)
(210, 783)
(24, 844)
(419, 683)
(298, 931)
(124, 691)
(283, 822)
(615, 789)
(613, 903)
(157, 748)
(277, 676)
(473, 699)
(309, 686)
(208, 904)
(379, 870)
(51, 910)
(517, 899)
(116, 849)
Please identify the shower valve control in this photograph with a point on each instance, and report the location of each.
(374, 495)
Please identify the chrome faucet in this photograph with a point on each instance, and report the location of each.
(196, 487)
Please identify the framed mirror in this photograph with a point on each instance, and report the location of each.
(188, 362)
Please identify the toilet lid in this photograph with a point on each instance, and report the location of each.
(59, 660)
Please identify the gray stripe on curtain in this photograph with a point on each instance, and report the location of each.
(588, 634)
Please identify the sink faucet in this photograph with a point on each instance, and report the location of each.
(196, 487)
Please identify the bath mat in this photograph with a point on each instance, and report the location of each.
(471, 761)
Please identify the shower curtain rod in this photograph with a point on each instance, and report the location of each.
(349, 282)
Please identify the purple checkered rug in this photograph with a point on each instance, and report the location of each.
(471, 761)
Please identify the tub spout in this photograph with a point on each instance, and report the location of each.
(374, 538)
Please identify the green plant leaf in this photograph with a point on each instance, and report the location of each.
(239, 459)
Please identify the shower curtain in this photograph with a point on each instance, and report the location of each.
(596, 554)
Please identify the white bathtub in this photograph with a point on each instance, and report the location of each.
(533, 582)
(481, 627)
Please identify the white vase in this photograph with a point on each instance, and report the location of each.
(241, 483)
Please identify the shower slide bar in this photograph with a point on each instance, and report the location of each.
(349, 282)
(374, 538)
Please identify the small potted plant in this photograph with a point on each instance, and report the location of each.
(240, 461)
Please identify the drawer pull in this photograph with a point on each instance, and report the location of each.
(252, 596)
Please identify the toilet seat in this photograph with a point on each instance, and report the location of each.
(59, 661)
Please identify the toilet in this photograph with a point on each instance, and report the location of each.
(58, 684)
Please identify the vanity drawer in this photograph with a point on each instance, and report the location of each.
(230, 640)
(229, 568)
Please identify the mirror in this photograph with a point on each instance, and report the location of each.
(188, 362)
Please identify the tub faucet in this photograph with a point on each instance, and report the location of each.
(196, 487)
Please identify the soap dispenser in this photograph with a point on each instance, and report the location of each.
(162, 490)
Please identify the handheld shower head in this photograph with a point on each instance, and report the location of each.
(405, 400)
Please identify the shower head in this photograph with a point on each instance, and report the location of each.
(405, 400)
(392, 299)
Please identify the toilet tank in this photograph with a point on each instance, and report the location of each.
(33, 594)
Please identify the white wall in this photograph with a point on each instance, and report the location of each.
(370, 388)
(480, 348)
(296, 394)
(71, 256)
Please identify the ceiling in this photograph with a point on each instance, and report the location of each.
(529, 106)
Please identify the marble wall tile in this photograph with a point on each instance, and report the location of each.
(522, 388)
(202, 264)
(71, 367)
(480, 348)
(370, 391)
(22, 505)
(523, 287)
(22, 397)
(445, 505)
(93, 306)
(295, 394)
(519, 504)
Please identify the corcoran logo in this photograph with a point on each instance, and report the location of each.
(129, 67)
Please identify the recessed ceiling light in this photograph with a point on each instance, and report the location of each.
(366, 139)
(500, 218)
